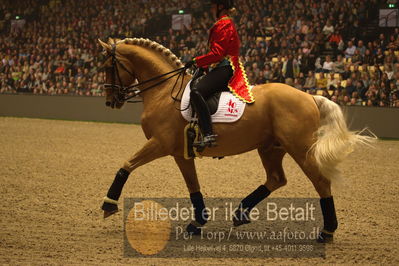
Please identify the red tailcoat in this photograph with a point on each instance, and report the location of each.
(224, 42)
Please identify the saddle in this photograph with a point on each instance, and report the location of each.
(224, 107)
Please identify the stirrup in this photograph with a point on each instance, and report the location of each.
(207, 141)
(210, 140)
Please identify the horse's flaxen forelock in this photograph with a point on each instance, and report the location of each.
(171, 58)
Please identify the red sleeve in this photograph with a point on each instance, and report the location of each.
(219, 41)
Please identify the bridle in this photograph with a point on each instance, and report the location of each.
(123, 93)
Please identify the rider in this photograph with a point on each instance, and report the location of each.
(224, 65)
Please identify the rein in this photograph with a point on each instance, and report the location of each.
(123, 92)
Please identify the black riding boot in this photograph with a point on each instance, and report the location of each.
(204, 118)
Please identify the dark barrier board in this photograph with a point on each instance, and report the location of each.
(68, 108)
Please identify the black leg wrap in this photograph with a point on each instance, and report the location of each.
(198, 203)
(201, 217)
(255, 197)
(329, 216)
(115, 190)
(193, 229)
(242, 214)
(330, 220)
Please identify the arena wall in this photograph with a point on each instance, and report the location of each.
(67, 108)
(384, 122)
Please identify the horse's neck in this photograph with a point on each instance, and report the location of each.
(149, 65)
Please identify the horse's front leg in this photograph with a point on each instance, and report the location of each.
(187, 168)
(149, 152)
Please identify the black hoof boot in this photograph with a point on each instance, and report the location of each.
(193, 229)
(240, 218)
(325, 237)
(109, 209)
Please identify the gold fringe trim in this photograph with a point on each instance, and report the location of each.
(245, 79)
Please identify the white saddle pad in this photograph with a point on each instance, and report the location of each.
(230, 108)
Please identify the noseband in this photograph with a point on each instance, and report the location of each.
(123, 93)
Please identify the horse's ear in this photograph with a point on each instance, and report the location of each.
(106, 46)
(115, 40)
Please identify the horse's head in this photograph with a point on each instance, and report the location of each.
(118, 75)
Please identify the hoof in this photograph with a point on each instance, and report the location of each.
(240, 218)
(324, 237)
(109, 209)
(108, 214)
(193, 230)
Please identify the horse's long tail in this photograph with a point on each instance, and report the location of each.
(334, 140)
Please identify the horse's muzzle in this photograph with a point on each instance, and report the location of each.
(110, 104)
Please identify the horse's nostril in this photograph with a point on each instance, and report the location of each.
(108, 103)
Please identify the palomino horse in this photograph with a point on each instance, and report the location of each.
(282, 120)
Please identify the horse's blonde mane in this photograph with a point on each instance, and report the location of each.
(168, 55)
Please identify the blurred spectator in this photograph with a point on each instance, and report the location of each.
(290, 69)
(368, 58)
(350, 50)
(328, 29)
(310, 81)
(339, 66)
(361, 48)
(350, 88)
(321, 82)
(334, 41)
(328, 65)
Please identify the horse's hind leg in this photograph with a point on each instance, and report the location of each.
(187, 168)
(272, 158)
(323, 187)
(150, 151)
